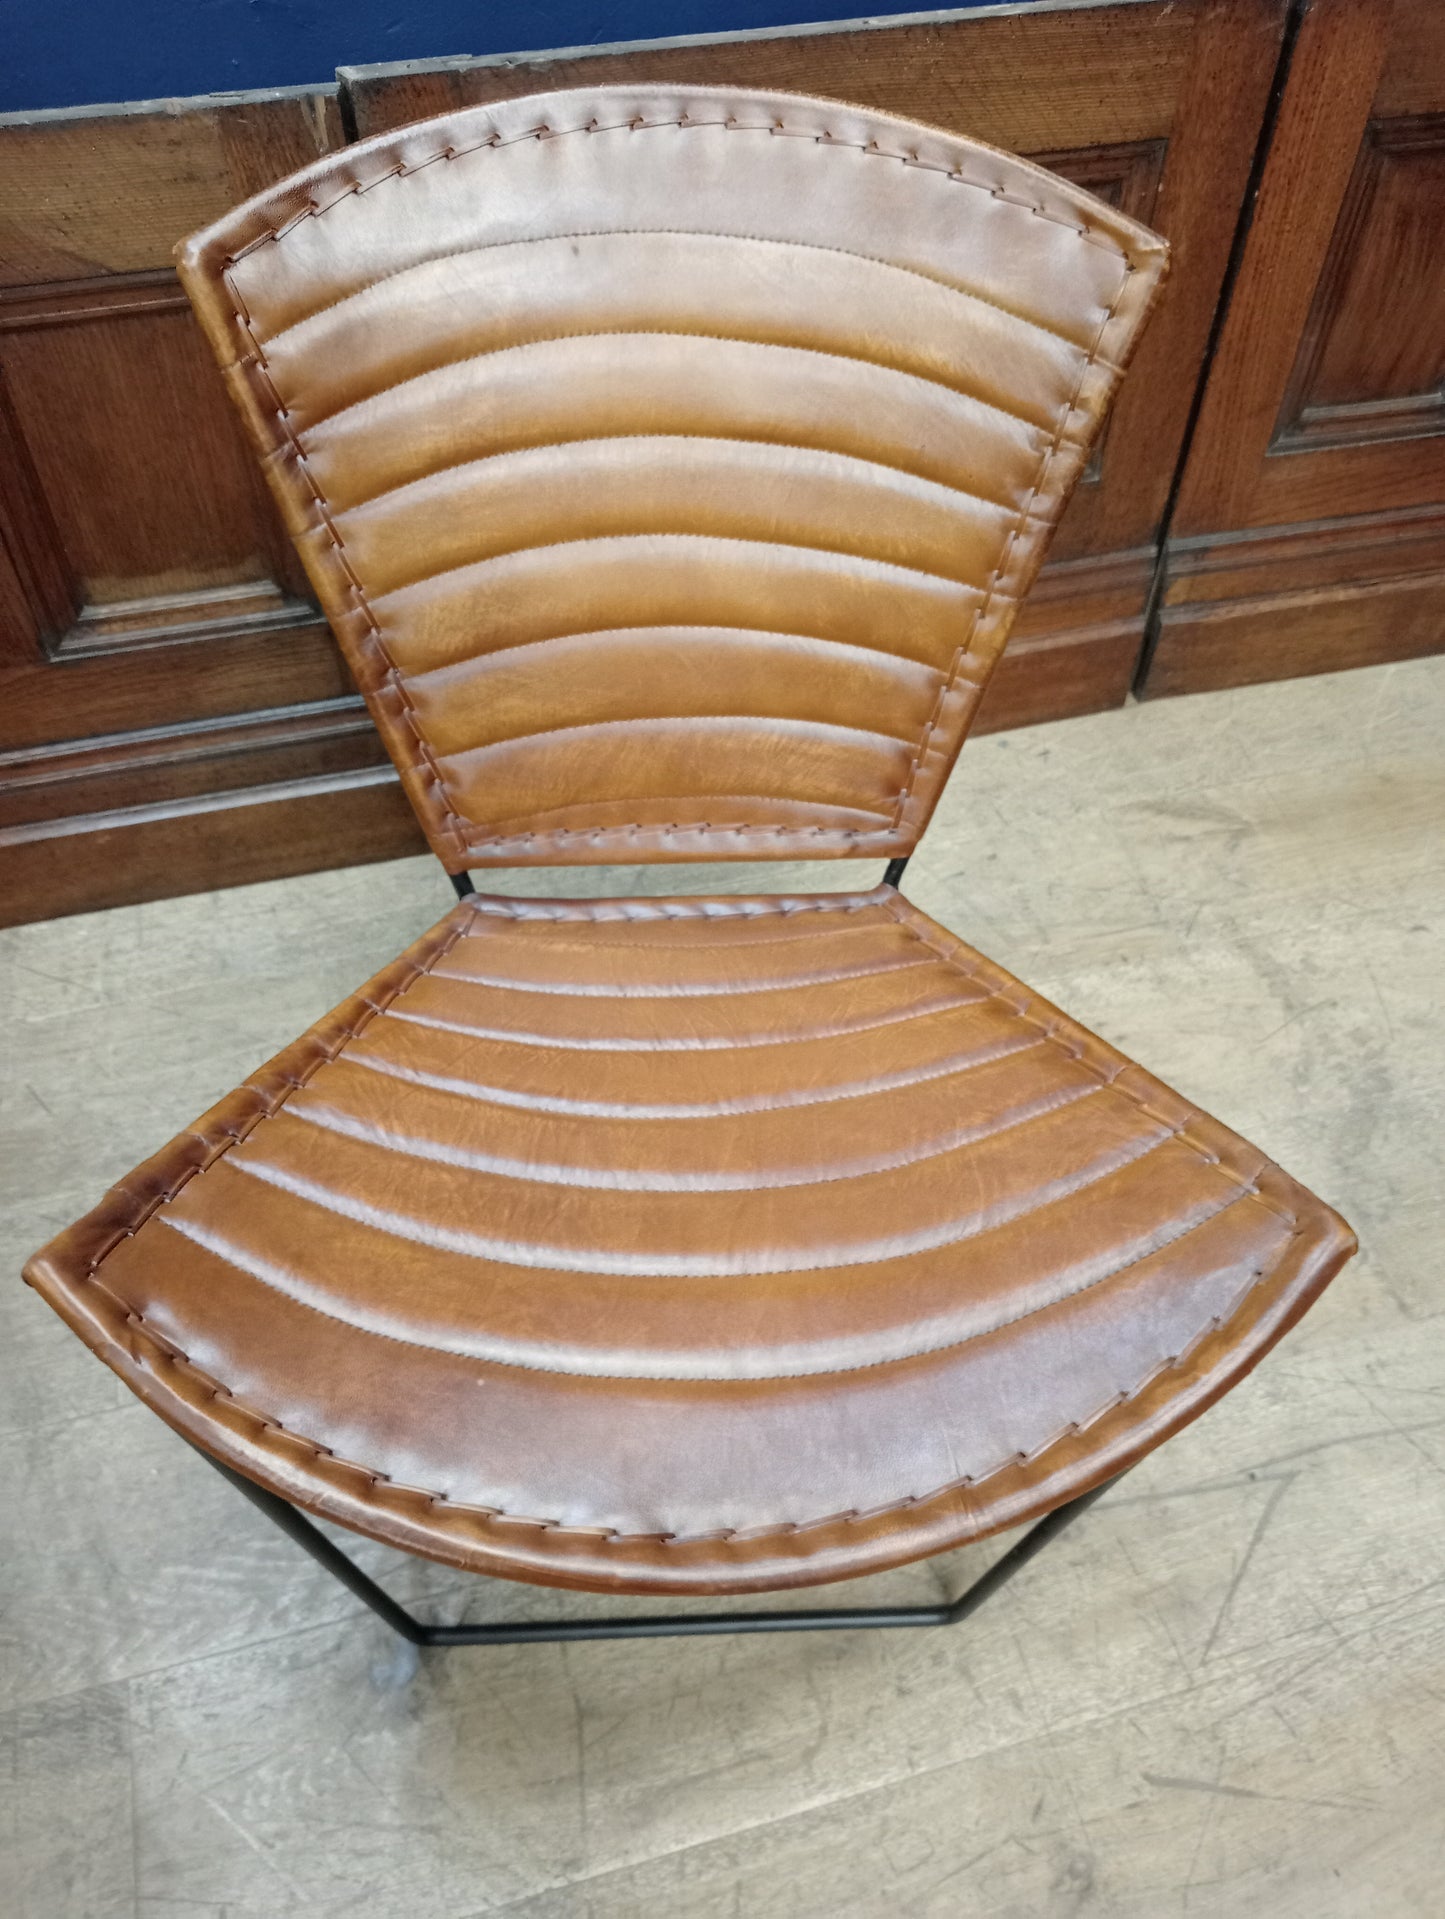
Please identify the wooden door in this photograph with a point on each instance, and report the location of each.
(173, 711)
(1154, 104)
(1310, 528)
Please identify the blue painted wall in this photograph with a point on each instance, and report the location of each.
(63, 53)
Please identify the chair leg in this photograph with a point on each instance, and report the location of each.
(297, 1526)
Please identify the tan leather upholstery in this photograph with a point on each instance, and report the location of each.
(671, 482)
(703, 1244)
(670, 462)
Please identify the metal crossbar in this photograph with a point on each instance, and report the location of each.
(462, 882)
(658, 1625)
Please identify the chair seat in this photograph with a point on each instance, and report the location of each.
(695, 1245)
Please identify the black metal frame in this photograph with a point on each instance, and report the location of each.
(298, 1527)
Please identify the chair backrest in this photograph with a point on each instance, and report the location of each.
(670, 462)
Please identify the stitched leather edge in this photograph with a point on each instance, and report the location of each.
(761, 1558)
(1093, 232)
(979, 622)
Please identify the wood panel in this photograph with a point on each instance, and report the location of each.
(1321, 435)
(149, 493)
(1154, 104)
(215, 838)
(159, 651)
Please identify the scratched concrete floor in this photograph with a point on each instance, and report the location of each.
(1223, 1694)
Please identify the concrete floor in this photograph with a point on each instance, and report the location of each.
(1222, 1694)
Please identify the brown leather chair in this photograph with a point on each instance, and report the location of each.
(670, 463)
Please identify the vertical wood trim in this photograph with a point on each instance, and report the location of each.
(1211, 152)
(43, 604)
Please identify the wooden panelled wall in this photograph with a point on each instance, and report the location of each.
(1268, 500)
(173, 711)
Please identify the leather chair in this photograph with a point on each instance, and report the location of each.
(670, 463)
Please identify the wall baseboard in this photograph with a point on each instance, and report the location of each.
(1279, 601)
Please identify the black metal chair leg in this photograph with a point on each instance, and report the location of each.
(1022, 1551)
(297, 1526)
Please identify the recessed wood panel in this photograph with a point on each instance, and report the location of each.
(130, 483)
(160, 658)
(1372, 358)
(134, 447)
(1414, 62)
(1321, 432)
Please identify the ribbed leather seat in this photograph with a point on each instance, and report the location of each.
(693, 1244)
(704, 1244)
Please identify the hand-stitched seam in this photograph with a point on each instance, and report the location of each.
(1093, 235)
(723, 1536)
(1050, 1032)
(424, 757)
(500, 836)
(977, 624)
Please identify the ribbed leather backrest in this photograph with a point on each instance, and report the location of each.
(670, 463)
